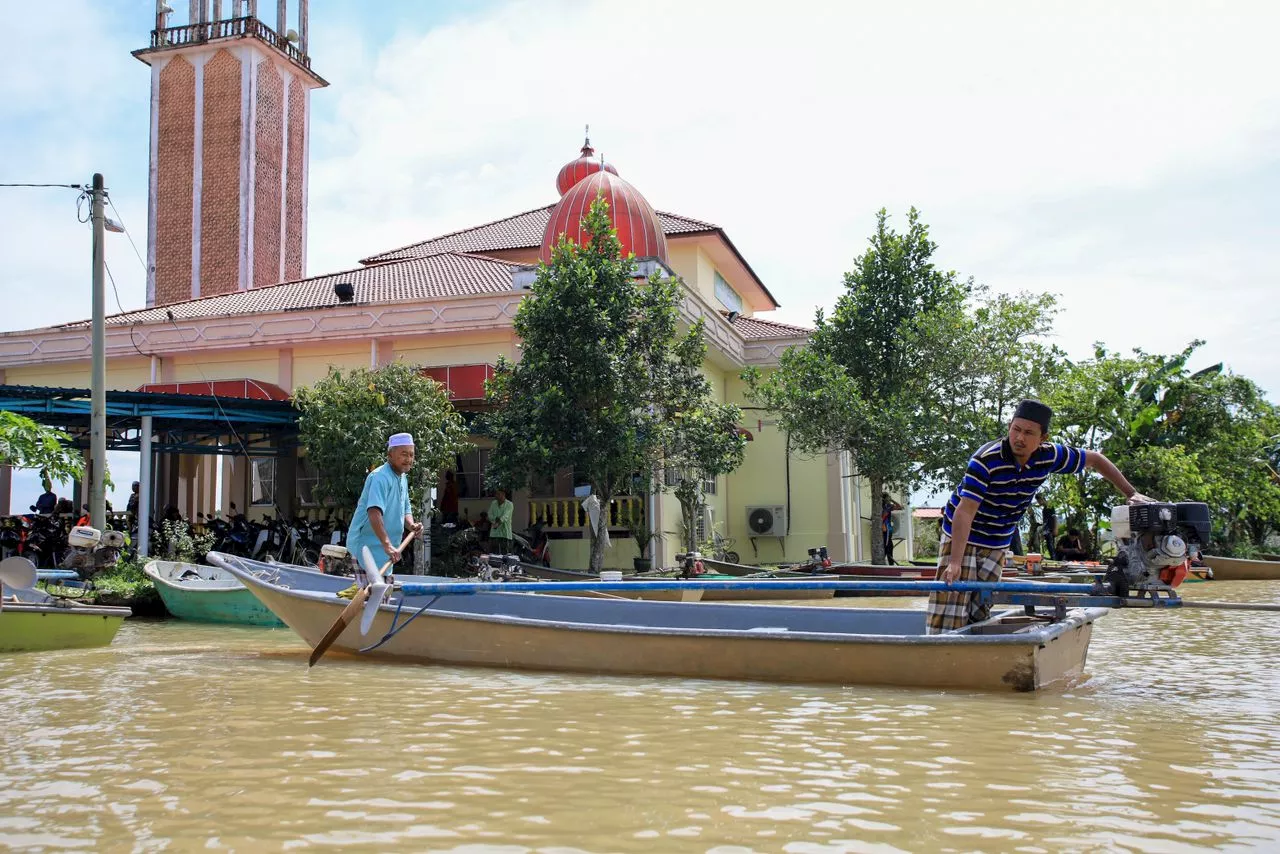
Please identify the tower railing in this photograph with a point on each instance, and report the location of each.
(231, 28)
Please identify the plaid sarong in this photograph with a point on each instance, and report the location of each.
(948, 611)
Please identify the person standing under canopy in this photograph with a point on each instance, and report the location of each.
(384, 513)
(500, 510)
(984, 510)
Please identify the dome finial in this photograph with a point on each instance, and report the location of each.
(586, 164)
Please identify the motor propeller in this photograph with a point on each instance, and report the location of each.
(17, 572)
(377, 589)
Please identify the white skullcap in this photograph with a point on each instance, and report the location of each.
(399, 439)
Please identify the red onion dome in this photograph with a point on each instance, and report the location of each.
(637, 225)
(575, 170)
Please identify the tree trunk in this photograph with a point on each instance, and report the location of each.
(877, 532)
(597, 541)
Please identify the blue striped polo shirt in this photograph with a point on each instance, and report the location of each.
(1003, 489)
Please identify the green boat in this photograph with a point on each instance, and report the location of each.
(207, 594)
(32, 620)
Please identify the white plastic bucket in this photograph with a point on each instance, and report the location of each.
(610, 575)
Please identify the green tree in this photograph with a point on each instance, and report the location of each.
(986, 359)
(30, 445)
(1178, 435)
(862, 385)
(700, 436)
(347, 417)
(597, 361)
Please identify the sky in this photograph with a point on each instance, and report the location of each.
(1120, 155)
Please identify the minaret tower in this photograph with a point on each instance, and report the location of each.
(230, 112)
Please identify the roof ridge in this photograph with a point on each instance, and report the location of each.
(370, 258)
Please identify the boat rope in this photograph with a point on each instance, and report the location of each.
(395, 630)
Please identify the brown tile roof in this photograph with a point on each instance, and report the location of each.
(522, 231)
(445, 275)
(755, 328)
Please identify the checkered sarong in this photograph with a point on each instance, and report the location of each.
(948, 611)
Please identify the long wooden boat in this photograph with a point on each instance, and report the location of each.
(207, 594)
(32, 620)
(1239, 569)
(778, 643)
(745, 595)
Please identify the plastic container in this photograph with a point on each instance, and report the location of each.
(610, 575)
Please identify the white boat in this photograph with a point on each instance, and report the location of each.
(1010, 651)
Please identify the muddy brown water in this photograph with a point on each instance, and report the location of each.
(182, 737)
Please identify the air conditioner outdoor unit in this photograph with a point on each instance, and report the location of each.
(768, 520)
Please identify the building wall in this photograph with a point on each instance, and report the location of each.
(312, 364)
(268, 171)
(175, 164)
(122, 374)
(220, 176)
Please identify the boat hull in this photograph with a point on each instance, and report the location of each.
(31, 628)
(221, 600)
(1238, 569)
(524, 631)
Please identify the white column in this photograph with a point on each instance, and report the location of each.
(144, 488)
(910, 525)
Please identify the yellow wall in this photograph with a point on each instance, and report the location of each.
(468, 349)
(694, 266)
(122, 374)
(256, 364)
(311, 364)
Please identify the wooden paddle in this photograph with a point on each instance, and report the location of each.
(349, 613)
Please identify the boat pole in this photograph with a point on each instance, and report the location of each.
(1230, 606)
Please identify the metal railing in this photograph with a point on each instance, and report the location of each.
(566, 514)
(231, 28)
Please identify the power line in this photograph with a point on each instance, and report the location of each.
(128, 234)
(67, 186)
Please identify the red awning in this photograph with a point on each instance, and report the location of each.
(244, 389)
(463, 382)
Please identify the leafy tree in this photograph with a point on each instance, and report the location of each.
(1177, 435)
(598, 361)
(28, 444)
(863, 383)
(987, 358)
(700, 436)
(347, 417)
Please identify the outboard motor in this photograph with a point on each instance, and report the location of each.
(90, 551)
(1154, 544)
(499, 568)
(336, 560)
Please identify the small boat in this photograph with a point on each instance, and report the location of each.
(1239, 569)
(775, 643)
(207, 594)
(32, 620)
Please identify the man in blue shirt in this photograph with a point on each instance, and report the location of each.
(384, 511)
(983, 513)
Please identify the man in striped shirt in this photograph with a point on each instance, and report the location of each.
(998, 485)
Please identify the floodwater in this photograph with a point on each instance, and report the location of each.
(182, 737)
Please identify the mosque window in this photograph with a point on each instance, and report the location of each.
(471, 470)
(727, 296)
(308, 479)
(263, 481)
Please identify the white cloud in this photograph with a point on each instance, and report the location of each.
(790, 126)
(1056, 148)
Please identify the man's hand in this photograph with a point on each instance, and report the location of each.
(951, 574)
(393, 554)
(416, 527)
(1139, 498)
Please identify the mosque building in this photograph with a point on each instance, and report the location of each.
(230, 312)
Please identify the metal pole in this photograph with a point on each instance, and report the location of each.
(98, 403)
(144, 488)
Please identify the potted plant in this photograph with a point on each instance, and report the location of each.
(640, 531)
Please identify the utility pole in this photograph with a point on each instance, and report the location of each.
(98, 386)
